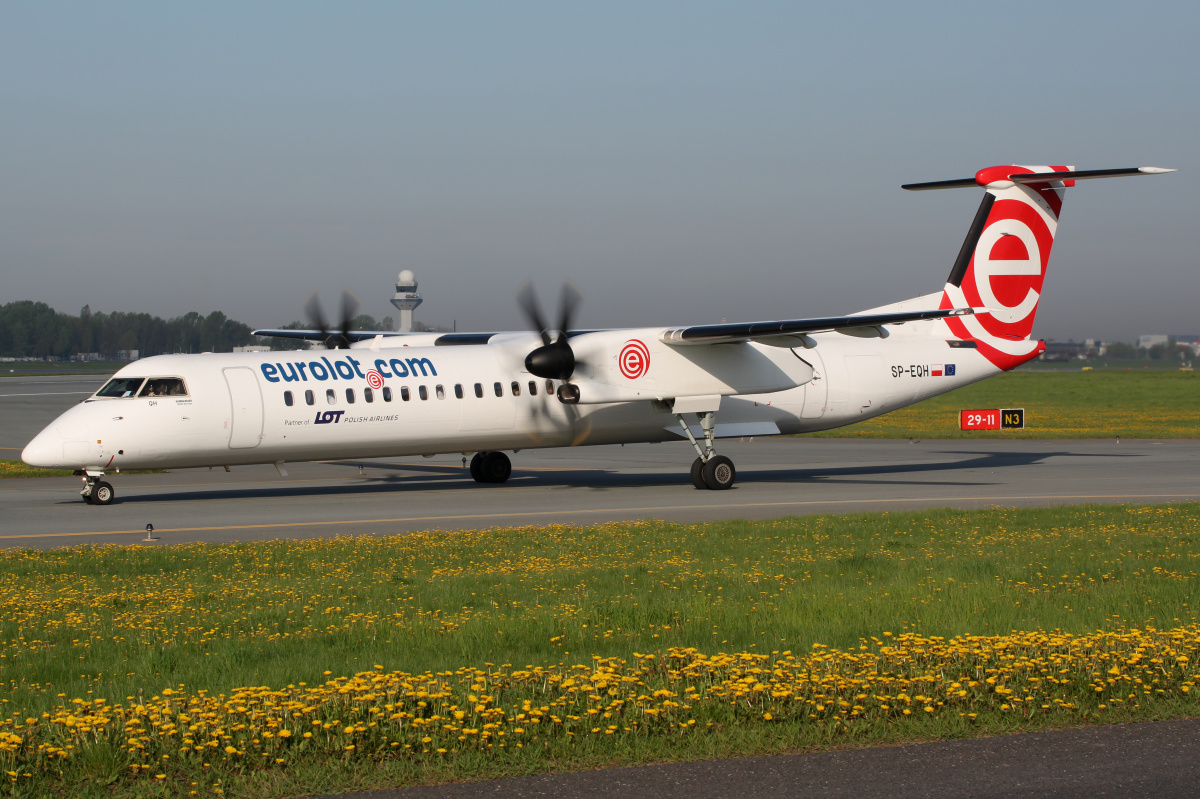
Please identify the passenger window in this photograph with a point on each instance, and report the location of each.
(549, 386)
(287, 398)
(423, 392)
(458, 394)
(368, 395)
(479, 389)
(350, 396)
(121, 387)
(387, 393)
(533, 388)
(164, 387)
(516, 388)
(499, 389)
(331, 396)
(404, 393)
(309, 398)
(441, 392)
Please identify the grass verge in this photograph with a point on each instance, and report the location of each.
(1095, 404)
(15, 468)
(306, 666)
(11, 468)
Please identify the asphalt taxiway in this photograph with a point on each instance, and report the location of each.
(1131, 760)
(776, 477)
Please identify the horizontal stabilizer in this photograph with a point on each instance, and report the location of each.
(758, 331)
(993, 174)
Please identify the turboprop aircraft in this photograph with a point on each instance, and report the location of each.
(382, 395)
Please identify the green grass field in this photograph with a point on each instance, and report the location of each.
(1095, 404)
(288, 667)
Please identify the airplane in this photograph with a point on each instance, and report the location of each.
(375, 394)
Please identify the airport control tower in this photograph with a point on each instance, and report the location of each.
(406, 299)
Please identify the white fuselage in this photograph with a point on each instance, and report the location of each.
(235, 407)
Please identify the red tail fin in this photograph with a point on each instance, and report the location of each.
(1002, 276)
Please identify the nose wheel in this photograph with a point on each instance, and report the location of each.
(97, 492)
(709, 471)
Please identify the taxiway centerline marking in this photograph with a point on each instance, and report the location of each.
(459, 517)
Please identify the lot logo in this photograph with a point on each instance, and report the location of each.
(634, 359)
(374, 379)
(328, 417)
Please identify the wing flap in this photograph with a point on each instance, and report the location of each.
(764, 332)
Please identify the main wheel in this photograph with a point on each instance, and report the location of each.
(698, 474)
(88, 498)
(496, 467)
(719, 473)
(477, 467)
(102, 493)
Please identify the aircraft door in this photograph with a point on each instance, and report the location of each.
(246, 398)
(815, 390)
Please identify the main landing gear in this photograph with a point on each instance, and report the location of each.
(490, 467)
(710, 470)
(96, 491)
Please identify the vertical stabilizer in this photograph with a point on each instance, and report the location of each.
(1003, 262)
(1000, 270)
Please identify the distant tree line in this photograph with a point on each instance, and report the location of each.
(35, 329)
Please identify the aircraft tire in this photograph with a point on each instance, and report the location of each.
(88, 499)
(496, 467)
(477, 467)
(698, 475)
(719, 473)
(102, 493)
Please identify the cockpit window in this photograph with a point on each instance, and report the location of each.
(164, 387)
(121, 387)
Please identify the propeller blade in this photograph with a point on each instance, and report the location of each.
(571, 297)
(554, 359)
(316, 316)
(349, 308)
(528, 301)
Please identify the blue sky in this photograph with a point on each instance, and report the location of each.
(681, 162)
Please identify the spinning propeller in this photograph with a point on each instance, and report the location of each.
(554, 360)
(339, 340)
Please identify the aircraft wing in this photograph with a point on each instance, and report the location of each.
(317, 335)
(790, 332)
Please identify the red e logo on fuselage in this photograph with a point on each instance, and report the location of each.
(634, 359)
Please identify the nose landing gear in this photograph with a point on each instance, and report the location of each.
(710, 470)
(96, 491)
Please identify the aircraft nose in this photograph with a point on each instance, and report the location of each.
(45, 451)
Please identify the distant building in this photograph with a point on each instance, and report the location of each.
(1189, 341)
(1146, 342)
(1072, 350)
(252, 348)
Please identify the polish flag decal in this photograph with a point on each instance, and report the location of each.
(935, 369)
